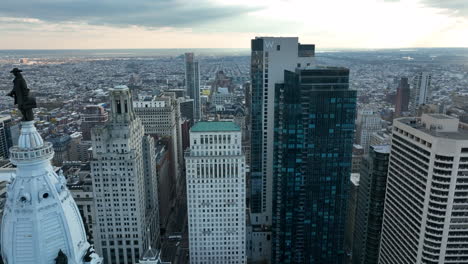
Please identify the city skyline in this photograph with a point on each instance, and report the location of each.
(365, 24)
(294, 156)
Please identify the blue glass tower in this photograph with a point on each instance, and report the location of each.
(314, 131)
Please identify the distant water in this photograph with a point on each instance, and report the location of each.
(116, 53)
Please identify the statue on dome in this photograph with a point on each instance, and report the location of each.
(20, 92)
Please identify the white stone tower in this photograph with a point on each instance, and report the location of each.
(216, 196)
(41, 218)
(124, 183)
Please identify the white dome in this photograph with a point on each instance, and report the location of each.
(40, 216)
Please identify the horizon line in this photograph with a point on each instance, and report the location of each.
(326, 49)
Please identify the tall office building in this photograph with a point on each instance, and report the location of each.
(80, 184)
(358, 155)
(6, 141)
(367, 122)
(61, 144)
(402, 97)
(92, 115)
(124, 183)
(351, 215)
(314, 132)
(426, 201)
(186, 108)
(383, 137)
(420, 90)
(270, 57)
(370, 205)
(192, 82)
(41, 222)
(216, 195)
(161, 118)
(74, 152)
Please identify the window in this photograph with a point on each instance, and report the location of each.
(278, 47)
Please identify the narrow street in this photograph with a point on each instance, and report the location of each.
(176, 249)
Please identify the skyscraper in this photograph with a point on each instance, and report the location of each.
(270, 57)
(61, 144)
(368, 121)
(420, 90)
(351, 215)
(6, 141)
(161, 118)
(216, 194)
(314, 132)
(41, 222)
(192, 82)
(426, 199)
(402, 97)
(124, 183)
(370, 205)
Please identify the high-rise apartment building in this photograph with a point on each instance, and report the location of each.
(270, 57)
(216, 194)
(124, 183)
(420, 90)
(402, 97)
(368, 121)
(314, 132)
(370, 205)
(161, 118)
(192, 82)
(6, 141)
(426, 198)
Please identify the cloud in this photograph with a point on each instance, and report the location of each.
(146, 13)
(453, 7)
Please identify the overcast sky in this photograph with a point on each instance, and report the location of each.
(102, 24)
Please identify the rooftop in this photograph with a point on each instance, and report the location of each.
(120, 87)
(385, 149)
(437, 125)
(440, 116)
(355, 178)
(215, 127)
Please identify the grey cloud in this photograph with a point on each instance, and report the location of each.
(147, 13)
(454, 7)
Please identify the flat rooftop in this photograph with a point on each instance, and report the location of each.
(215, 127)
(385, 149)
(440, 116)
(460, 134)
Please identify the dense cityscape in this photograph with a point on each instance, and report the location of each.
(283, 153)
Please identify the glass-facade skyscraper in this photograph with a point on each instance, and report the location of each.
(370, 205)
(314, 132)
(270, 58)
(192, 82)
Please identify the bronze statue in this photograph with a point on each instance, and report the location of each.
(21, 94)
